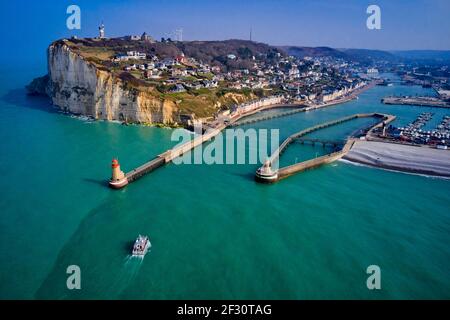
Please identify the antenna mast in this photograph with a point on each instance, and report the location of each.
(179, 34)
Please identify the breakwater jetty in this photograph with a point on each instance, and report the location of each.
(120, 179)
(268, 117)
(161, 159)
(270, 173)
(417, 101)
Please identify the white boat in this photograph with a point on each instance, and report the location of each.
(141, 246)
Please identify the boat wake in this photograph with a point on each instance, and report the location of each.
(133, 260)
(129, 272)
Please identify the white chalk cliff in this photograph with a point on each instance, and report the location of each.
(79, 86)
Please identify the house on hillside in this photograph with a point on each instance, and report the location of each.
(132, 38)
(145, 37)
(181, 58)
(178, 88)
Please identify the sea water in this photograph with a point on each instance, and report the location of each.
(215, 232)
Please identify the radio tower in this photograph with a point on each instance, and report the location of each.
(250, 33)
(179, 34)
(101, 31)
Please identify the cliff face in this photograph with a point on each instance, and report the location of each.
(77, 83)
(78, 86)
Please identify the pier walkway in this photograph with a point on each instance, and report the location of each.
(268, 117)
(145, 168)
(431, 102)
(324, 143)
(171, 154)
(269, 174)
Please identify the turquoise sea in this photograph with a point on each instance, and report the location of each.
(216, 234)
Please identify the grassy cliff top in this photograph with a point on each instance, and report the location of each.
(212, 52)
(202, 102)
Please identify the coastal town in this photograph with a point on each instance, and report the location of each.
(213, 85)
(217, 153)
(255, 73)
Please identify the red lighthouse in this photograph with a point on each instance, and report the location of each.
(118, 179)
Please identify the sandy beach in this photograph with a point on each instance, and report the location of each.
(421, 160)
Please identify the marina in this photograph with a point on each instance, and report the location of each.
(414, 132)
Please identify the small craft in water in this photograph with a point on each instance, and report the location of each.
(141, 246)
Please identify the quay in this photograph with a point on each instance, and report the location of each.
(268, 174)
(417, 101)
(268, 117)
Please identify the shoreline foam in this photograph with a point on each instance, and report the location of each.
(401, 158)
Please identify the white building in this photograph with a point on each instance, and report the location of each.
(133, 38)
(101, 31)
(131, 55)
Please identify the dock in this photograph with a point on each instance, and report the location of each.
(145, 168)
(268, 117)
(267, 173)
(432, 102)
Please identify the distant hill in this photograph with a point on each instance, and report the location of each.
(424, 55)
(358, 55)
(368, 56)
(301, 52)
(218, 53)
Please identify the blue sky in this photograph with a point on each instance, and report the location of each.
(29, 26)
